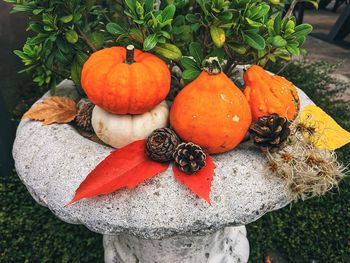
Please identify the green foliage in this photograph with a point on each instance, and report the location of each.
(31, 233)
(65, 33)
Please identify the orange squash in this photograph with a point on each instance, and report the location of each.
(125, 81)
(269, 94)
(211, 111)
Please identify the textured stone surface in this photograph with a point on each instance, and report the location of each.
(53, 160)
(228, 245)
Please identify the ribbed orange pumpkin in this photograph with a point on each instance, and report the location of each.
(211, 111)
(125, 84)
(269, 94)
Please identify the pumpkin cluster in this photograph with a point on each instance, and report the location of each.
(129, 87)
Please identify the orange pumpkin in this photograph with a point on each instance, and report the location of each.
(269, 94)
(211, 111)
(125, 81)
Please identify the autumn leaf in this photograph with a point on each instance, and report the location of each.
(126, 167)
(199, 182)
(328, 134)
(53, 109)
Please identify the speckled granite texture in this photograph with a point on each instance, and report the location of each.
(53, 160)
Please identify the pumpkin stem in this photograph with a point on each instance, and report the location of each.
(213, 66)
(130, 54)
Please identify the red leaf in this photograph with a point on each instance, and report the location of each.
(126, 167)
(199, 182)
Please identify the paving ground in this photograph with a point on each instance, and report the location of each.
(322, 22)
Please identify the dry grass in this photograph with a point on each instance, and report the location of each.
(307, 170)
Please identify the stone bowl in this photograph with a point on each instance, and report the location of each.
(53, 160)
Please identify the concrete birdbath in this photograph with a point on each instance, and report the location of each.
(160, 220)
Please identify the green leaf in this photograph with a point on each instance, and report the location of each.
(278, 41)
(38, 11)
(37, 39)
(290, 25)
(277, 24)
(303, 29)
(66, 19)
(150, 42)
(22, 8)
(139, 9)
(188, 63)
(218, 36)
(270, 27)
(301, 40)
(149, 4)
(293, 49)
(253, 23)
(36, 27)
(239, 48)
(97, 39)
(190, 74)
(254, 40)
(168, 51)
(191, 18)
(131, 5)
(72, 36)
(115, 29)
(202, 4)
(77, 66)
(196, 51)
(168, 12)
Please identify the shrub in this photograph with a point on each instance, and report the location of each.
(65, 33)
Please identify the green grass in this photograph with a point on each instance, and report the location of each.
(315, 229)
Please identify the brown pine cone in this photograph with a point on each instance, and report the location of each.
(189, 157)
(270, 132)
(161, 145)
(83, 118)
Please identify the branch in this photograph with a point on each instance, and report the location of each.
(291, 8)
(86, 39)
(230, 59)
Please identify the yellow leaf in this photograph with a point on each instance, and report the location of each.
(328, 134)
(53, 109)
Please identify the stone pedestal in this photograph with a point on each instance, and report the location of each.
(159, 219)
(228, 245)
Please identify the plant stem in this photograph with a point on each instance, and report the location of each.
(86, 39)
(291, 8)
(283, 68)
(130, 50)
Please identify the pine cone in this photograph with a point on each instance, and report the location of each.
(83, 118)
(270, 132)
(189, 157)
(161, 145)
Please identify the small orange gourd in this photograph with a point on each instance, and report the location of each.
(267, 94)
(211, 111)
(125, 81)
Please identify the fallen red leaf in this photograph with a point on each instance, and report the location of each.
(126, 167)
(199, 182)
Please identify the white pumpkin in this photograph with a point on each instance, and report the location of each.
(121, 130)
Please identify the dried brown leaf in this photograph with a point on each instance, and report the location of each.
(53, 109)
